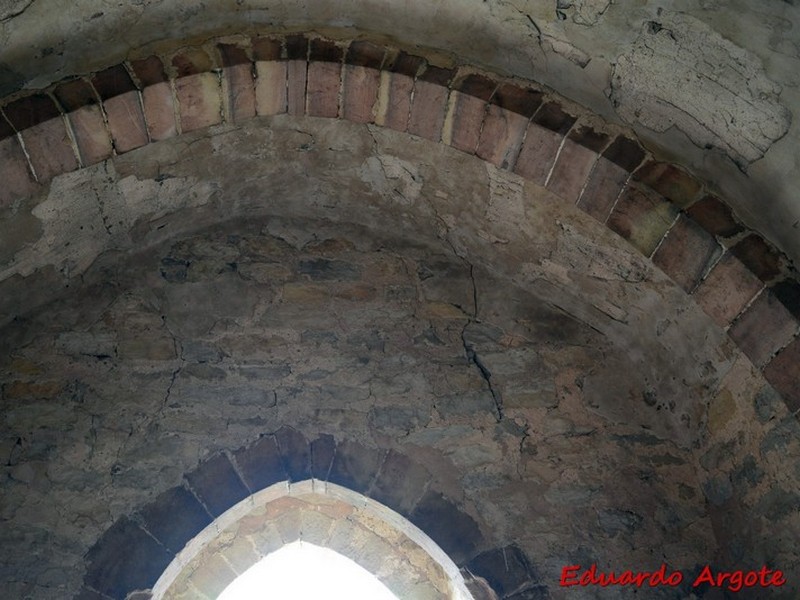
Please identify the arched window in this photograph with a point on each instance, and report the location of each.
(326, 530)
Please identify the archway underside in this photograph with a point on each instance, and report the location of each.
(411, 259)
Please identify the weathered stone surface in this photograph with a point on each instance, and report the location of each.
(682, 73)
(217, 485)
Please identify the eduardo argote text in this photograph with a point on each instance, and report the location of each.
(733, 581)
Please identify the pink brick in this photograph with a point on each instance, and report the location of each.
(501, 136)
(14, 173)
(360, 93)
(159, 111)
(726, 290)
(467, 118)
(50, 149)
(322, 89)
(603, 188)
(427, 110)
(539, 151)
(271, 87)
(126, 121)
(398, 106)
(199, 101)
(643, 217)
(241, 92)
(764, 328)
(686, 253)
(296, 87)
(783, 372)
(91, 135)
(573, 165)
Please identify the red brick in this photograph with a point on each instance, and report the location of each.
(501, 136)
(159, 111)
(686, 252)
(75, 94)
(241, 91)
(783, 372)
(758, 256)
(192, 61)
(714, 216)
(675, 184)
(296, 86)
(573, 165)
(642, 218)
(360, 93)
(31, 110)
(149, 71)
(271, 87)
(91, 135)
(788, 292)
(365, 54)
(551, 116)
(406, 64)
(539, 151)
(199, 101)
(764, 328)
(267, 49)
(398, 104)
(14, 173)
(322, 89)
(625, 153)
(113, 81)
(519, 100)
(603, 188)
(50, 149)
(589, 138)
(428, 110)
(324, 50)
(126, 121)
(726, 290)
(463, 125)
(479, 86)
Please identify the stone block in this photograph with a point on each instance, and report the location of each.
(642, 218)
(360, 93)
(400, 483)
(199, 100)
(726, 290)
(463, 122)
(573, 165)
(602, 189)
(91, 136)
(260, 463)
(686, 253)
(355, 466)
(501, 136)
(456, 532)
(764, 328)
(323, 450)
(322, 90)
(159, 111)
(174, 518)
(217, 485)
(506, 569)
(538, 153)
(213, 577)
(126, 121)
(50, 149)
(295, 453)
(271, 87)
(124, 559)
(428, 110)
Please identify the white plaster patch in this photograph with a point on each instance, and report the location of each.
(679, 72)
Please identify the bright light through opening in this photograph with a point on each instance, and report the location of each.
(303, 571)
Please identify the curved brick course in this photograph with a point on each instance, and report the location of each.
(738, 279)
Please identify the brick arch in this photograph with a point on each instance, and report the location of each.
(691, 234)
(130, 557)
